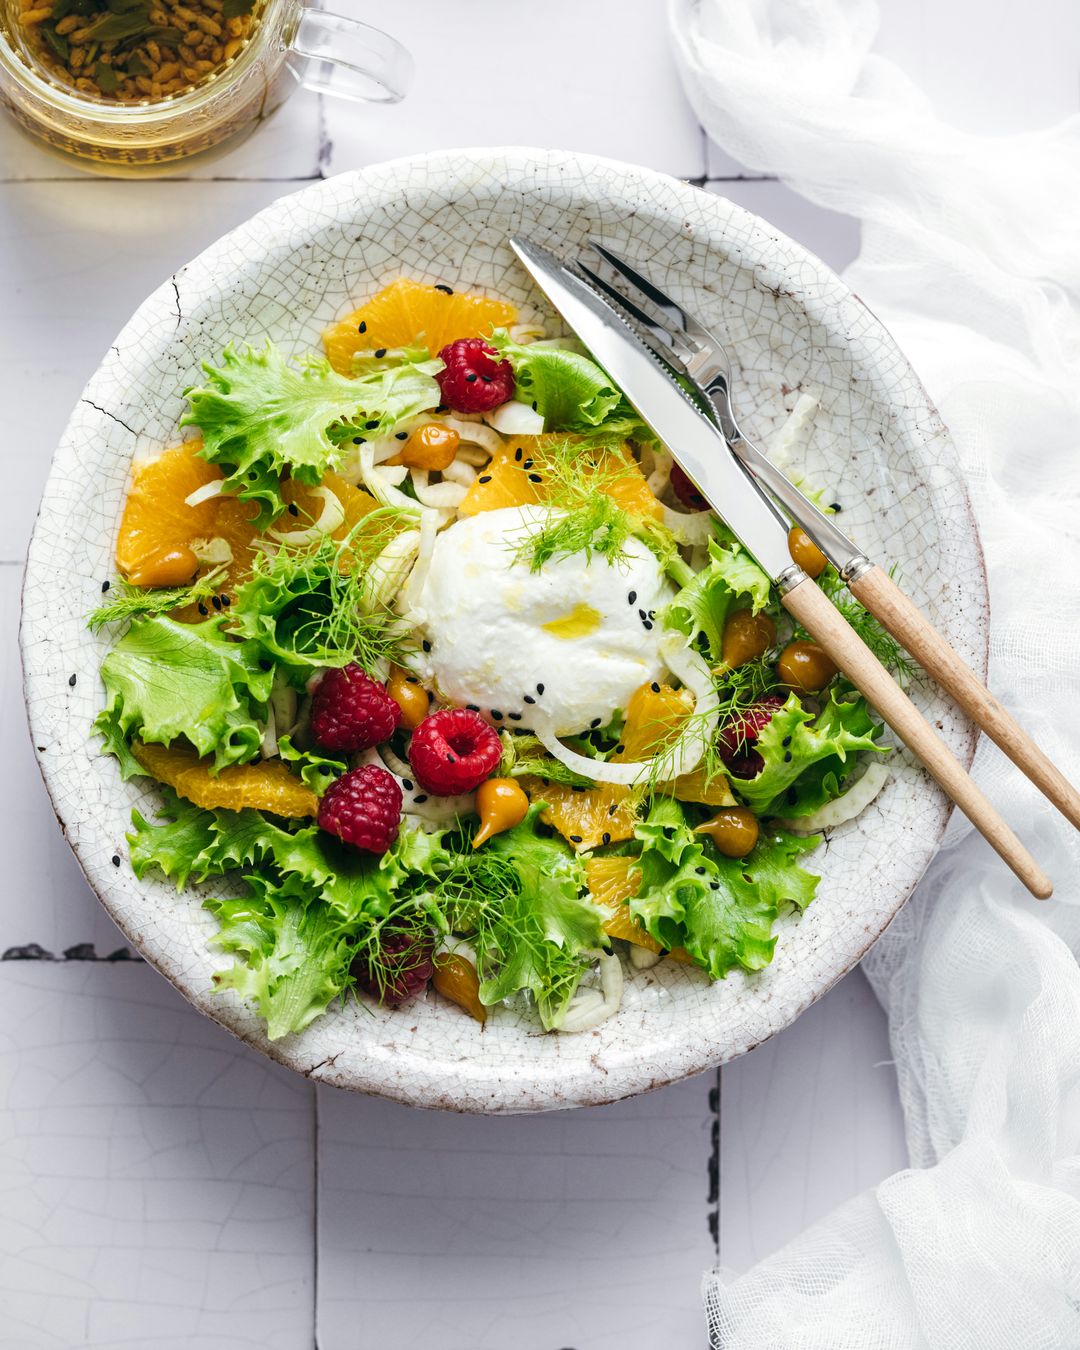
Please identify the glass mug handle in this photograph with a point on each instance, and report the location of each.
(335, 55)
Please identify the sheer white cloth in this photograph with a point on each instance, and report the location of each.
(971, 256)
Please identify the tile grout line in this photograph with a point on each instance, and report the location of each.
(315, 1217)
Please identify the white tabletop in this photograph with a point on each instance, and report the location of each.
(161, 1185)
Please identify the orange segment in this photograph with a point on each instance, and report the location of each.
(654, 718)
(266, 786)
(413, 314)
(515, 477)
(611, 886)
(153, 546)
(584, 817)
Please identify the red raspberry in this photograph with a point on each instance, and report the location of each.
(350, 711)
(686, 492)
(735, 740)
(403, 968)
(474, 380)
(453, 751)
(363, 807)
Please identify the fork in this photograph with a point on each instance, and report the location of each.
(695, 352)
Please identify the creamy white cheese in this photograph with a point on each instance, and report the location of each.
(567, 645)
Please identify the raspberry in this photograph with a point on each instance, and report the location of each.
(735, 740)
(363, 807)
(350, 711)
(403, 968)
(453, 751)
(474, 380)
(686, 492)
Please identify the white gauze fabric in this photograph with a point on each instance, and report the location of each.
(971, 256)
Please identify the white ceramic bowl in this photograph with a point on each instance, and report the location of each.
(878, 446)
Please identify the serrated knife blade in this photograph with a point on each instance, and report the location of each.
(696, 444)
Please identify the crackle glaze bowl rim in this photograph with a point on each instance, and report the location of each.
(673, 1023)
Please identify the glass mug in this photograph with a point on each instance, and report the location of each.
(289, 45)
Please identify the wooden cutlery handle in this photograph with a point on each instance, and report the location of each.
(877, 591)
(833, 633)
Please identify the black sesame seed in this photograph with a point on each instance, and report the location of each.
(226, 601)
(539, 688)
(216, 602)
(442, 408)
(264, 664)
(605, 838)
(534, 405)
(835, 506)
(514, 717)
(446, 290)
(631, 599)
(652, 613)
(654, 687)
(787, 756)
(517, 455)
(595, 723)
(575, 838)
(202, 608)
(472, 707)
(71, 681)
(253, 475)
(700, 871)
(535, 478)
(420, 798)
(401, 435)
(426, 645)
(105, 586)
(372, 424)
(620, 748)
(451, 758)
(715, 885)
(359, 440)
(325, 768)
(407, 784)
(411, 679)
(362, 327)
(792, 796)
(116, 859)
(485, 379)
(380, 352)
(496, 715)
(528, 464)
(647, 625)
(613, 808)
(786, 741)
(642, 615)
(470, 378)
(484, 478)
(529, 698)
(294, 510)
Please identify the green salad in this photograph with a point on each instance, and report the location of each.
(452, 687)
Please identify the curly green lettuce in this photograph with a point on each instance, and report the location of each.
(165, 680)
(569, 390)
(722, 910)
(807, 757)
(261, 417)
(732, 580)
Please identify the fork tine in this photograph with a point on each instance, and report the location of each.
(663, 302)
(656, 337)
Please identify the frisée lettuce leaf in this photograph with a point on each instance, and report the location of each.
(166, 680)
(261, 417)
(720, 909)
(808, 756)
(732, 580)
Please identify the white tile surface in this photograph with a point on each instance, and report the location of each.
(586, 1229)
(594, 76)
(155, 1173)
(806, 1120)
